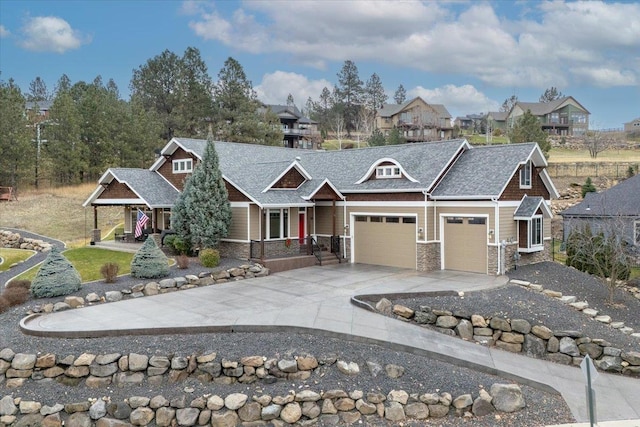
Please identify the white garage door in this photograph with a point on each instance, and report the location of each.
(465, 244)
(385, 240)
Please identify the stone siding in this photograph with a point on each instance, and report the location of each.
(236, 250)
(428, 256)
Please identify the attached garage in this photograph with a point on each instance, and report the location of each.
(385, 240)
(464, 243)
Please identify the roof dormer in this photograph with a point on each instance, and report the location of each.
(386, 168)
(290, 179)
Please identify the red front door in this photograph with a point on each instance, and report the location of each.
(301, 226)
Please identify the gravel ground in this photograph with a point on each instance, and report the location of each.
(421, 374)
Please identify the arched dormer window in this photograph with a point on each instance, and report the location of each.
(386, 168)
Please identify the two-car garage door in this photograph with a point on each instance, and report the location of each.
(465, 244)
(385, 240)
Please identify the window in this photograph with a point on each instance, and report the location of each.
(393, 219)
(360, 218)
(376, 219)
(525, 175)
(278, 224)
(454, 220)
(477, 221)
(636, 232)
(535, 231)
(555, 118)
(408, 220)
(183, 166)
(388, 172)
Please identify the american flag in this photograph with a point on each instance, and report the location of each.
(141, 223)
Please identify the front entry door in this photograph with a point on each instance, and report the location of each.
(302, 227)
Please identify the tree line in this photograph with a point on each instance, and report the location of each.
(89, 127)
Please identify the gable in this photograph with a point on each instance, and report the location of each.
(538, 188)
(166, 169)
(292, 179)
(235, 195)
(117, 190)
(326, 192)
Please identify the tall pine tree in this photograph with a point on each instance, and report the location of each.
(202, 214)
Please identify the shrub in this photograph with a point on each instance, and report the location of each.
(149, 262)
(178, 245)
(4, 304)
(209, 257)
(22, 284)
(16, 296)
(110, 272)
(182, 261)
(56, 277)
(498, 132)
(588, 187)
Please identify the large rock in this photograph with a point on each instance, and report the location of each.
(521, 326)
(542, 332)
(447, 322)
(610, 363)
(633, 357)
(402, 311)
(507, 397)
(394, 412)
(291, 412)
(348, 368)
(500, 323)
(593, 350)
(187, 416)
(7, 407)
(464, 329)
(23, 361)
(98, 409)
(235, 400)
(416, 410)
(141, 416)
(568, 346)
(534, 346)
(425, 317)
(138, 362)
(394, 371)
(225, 419)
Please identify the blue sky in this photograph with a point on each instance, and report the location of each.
(467, 55)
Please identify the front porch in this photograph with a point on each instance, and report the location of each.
(288, 254)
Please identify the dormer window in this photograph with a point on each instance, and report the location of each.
(525, 175)
(388, 172)
(183, 166)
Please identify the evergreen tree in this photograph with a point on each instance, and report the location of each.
(202, 214)
(588, 187)
(349, 92)
(290, 101)
(15, 136)
(528, 129)
(374, 96)
(376, 138)
(238, 115)
(400, 96)
(56, 277)
(395, 137)
(38, 90)
(149, 262)
(551, 94)
(508, 103)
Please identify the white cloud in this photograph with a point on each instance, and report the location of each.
(459, 100)
(551, 45)
(51, 34)
(4, 32)
(275, 87)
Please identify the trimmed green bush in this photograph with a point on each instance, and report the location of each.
(209, 257)
(149, 262)
(56, 277)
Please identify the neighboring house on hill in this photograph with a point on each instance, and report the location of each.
(470, 122)
(417, 120)
(617, 208)
(497, 120)
(424, 206)
(632, 126)
(299, 131)
(564, 116)
(38, 109)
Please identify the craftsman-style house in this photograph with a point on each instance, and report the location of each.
(564, 116)
(424, 206)
(417, 120)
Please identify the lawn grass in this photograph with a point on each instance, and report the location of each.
(88, 261)
(12, 256)
(567, 155)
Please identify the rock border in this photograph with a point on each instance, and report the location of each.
(11, 240)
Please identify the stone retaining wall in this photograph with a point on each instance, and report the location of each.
(330, 407)
(9, 239)
(519, 336)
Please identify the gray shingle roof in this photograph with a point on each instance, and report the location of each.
(150, 186)
(528, 207)
(498, 115)
(483, 171)
(622, 199)
(543, 108)
(389, 110)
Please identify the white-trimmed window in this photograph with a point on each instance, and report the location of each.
(183, 166)
(533, 241)
(388, 172)
(535, 232)
(525, 175)
(278, 223)
(636, 232)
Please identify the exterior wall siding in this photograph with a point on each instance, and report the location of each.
(324, 220)
(387, 197)
(117, 190)
(254, 215)
(238, 228)
(508, 226)
(166, 169)
(234, 194)
(292, 179)
(514, 192)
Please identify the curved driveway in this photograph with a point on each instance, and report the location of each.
(320, 300)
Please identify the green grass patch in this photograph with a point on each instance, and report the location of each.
(111, 234)
(88, 261)
(12, 256)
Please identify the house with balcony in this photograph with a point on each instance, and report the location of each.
(418, 120)
(497, 120)
(564, 116)
(470, 122)
(299, 131)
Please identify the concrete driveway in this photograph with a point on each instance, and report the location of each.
(319, 300)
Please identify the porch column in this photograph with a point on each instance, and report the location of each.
(307, 218)
(261, 234)
(333, 208)
(95, 217)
